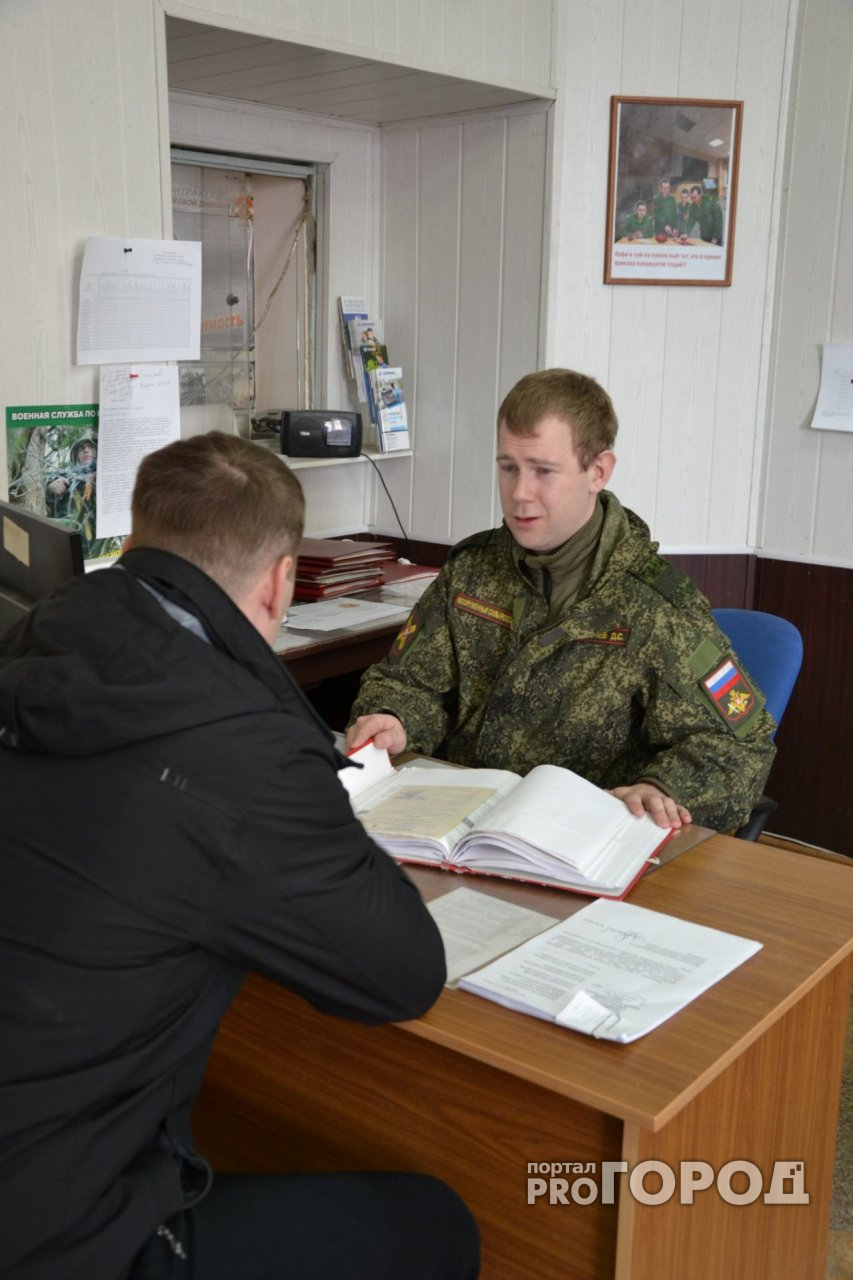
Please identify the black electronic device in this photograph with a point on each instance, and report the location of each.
(37, 556)
(314, 433)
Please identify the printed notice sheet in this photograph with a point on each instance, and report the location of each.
(139, 412)
(139, 300)
(475, 928)
(834, 409)
(613, 970)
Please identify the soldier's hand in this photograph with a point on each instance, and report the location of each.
(57, 486)
(386, 731)
(645, 797)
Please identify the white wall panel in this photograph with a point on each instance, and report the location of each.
(466, 198)
(684, 364)
(808, 508)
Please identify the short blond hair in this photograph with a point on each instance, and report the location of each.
(227, 505)
(576, 398)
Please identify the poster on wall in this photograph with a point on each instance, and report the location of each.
(52, 468)
(672, 191)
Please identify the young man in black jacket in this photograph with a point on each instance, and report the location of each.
(172, 819)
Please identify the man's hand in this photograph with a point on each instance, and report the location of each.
(645, 797)
(386, 731)
(57, 486)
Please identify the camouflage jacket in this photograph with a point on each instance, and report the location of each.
(629, 683)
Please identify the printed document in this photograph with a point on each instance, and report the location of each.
(612, 970)
(476, 927)
(139, 300)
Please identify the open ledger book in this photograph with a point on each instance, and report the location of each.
(551, 827)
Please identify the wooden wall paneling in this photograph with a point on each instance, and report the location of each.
(686, 432)
(727, 581)
(833, 517)
(439, 195)
(398, 306)
(638, 330)
(797, 476)
(481, 297)
(814, 765)
(764, 36)
(335, 497)
(587, 71)
(523, 266)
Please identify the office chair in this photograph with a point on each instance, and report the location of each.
(771, 649)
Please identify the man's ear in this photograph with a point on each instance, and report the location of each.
(127, 544)
(281, 576)
(601, 470)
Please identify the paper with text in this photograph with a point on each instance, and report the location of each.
(834, 408)
(139, 300)
(476, 927)
(613, 970)
(139, 412)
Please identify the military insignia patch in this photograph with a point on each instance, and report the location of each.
(406, 634)
(607, 635)
(483, 609)
(730, 692)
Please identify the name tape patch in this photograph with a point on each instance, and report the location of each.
(484, 609)
(607, 635)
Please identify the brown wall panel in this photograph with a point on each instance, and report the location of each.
(812, 777)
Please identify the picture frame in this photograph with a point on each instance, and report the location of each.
(672, 191)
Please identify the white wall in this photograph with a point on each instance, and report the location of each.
(464, 232)
(684, 365)
(808, 484)
(83, 142)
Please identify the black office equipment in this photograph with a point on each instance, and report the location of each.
(37, 555)
(314, 433)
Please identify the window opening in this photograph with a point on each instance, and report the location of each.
(258, 308)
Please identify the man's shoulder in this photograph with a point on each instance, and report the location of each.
(483, 552)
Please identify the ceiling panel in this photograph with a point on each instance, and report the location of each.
(228, 64)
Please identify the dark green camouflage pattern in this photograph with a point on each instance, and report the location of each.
(610, 689)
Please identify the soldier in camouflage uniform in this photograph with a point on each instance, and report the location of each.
(564, 638)
(665, 210)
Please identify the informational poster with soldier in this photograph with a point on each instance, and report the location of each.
(672, 191)
(52, 468)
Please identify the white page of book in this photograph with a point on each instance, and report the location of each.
(612, 970)
(557, 811)
(476, 927)
(421, 787)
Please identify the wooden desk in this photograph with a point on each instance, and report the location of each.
(473, 1092)
(319, 655)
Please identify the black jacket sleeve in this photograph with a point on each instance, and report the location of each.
(306, 898)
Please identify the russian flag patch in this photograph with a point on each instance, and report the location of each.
(731, 694)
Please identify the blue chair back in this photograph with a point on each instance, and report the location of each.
(771, 649)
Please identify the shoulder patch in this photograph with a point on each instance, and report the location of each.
(730, 692)
(406, 635)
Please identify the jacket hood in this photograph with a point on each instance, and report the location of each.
(68, 688)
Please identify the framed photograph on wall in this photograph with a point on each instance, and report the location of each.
(672, 191)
